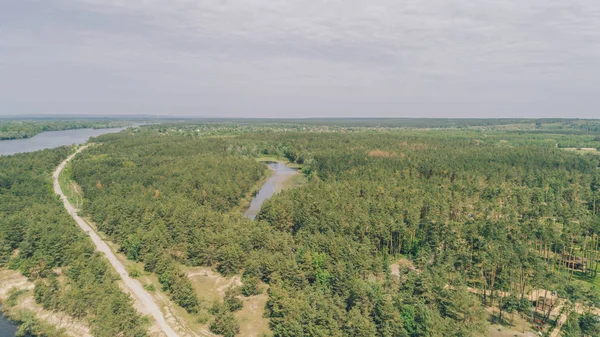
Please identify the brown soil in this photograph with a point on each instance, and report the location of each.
(382, 154)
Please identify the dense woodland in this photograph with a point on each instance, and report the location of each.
(39, 238)
(18, 129)
(497, 211)
(495, 214)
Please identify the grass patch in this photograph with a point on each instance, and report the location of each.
(13, 296)
(593, 281)
(70, 189)
(134, 271)
(271, 158)
(295, 181)
(203, 317)
(150, 287)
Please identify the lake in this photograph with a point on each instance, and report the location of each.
(51, 139)
(274, 184)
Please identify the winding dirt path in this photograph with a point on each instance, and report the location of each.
(140, 294)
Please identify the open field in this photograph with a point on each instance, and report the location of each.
(211, 286)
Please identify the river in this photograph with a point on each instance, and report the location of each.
(51, 139)
(44, 140)
(275, 183)
(7, 328)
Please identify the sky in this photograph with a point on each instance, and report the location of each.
(301, 58)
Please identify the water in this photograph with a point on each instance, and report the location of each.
(275, 183)
(7, 328)
(51, 139)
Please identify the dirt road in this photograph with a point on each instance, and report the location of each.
(134, 286)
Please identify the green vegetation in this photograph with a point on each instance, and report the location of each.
(12, 129)
(493, 210)
(493, 214)
(38, 238)
(584, 325)
(190, 186)
(13, 296)
(30, 326)
(250, 287)
(224, 323)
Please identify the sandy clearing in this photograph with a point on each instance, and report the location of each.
(10, 279)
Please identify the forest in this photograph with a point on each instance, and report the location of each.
(488, 224)
(39, 239)
(398, 231)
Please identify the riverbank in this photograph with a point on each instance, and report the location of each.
(280, 178)
(7, 327)
(296, 180)
(247, 200)
(18, 305)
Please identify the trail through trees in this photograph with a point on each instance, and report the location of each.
(141, 295)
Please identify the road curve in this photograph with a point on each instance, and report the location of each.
(144, 298)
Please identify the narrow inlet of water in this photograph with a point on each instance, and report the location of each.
(275, 183)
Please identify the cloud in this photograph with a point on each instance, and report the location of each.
(490, 58)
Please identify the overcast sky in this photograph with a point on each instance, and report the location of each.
(301, 58)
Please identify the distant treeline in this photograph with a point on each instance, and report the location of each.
(17, 129)
(386, 122)
(575, 126)
(13, 129)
